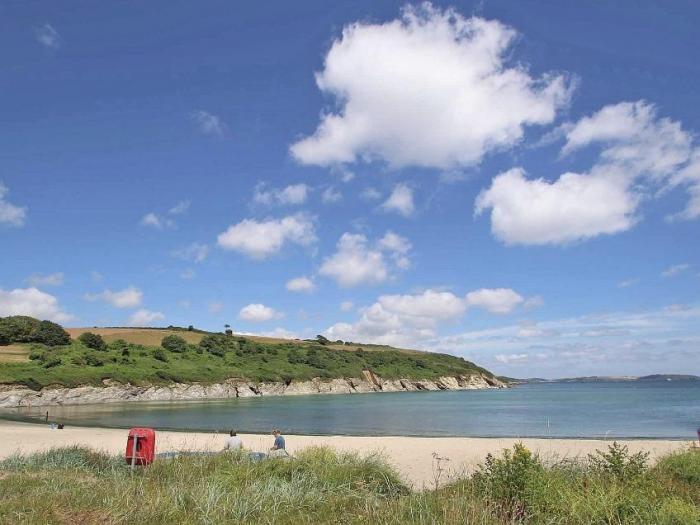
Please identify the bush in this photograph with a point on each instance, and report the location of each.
(619, 462)
(508, 481)
(174, 343)
(93, 341)
(51, 361)
(50, 334)
(160, 355)
(18, 328)
(218, 344)
(92, 359)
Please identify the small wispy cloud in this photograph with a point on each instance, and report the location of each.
(627, 283)
(675, 269)
(48, 36)
(180, 208)
(52, 279)
(209, 124)
(10, 214)
(195, 252)
(153, 220)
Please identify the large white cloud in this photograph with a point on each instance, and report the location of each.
(574, 207)
(261, 239)
(32, 302)
(641, 155)
(10, 214)
(129, 297)
(432, 89)
(258, 313)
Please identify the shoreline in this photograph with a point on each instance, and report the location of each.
(16, 396)
(32, 421)
(412, 456)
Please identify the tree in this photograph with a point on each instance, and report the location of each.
(18, 328)
(93, 341)
(322, 340)
(174, 343)
(50, 334)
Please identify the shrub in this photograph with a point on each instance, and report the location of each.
(18, 328)
(119, 345)
(51, 361)
(4, 336)
(619, 462)
(507, 481)
(174, 343)
(50, 334)
(93, 341)
(160, 355)
(218, 344)
(92, 359)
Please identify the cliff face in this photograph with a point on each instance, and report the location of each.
(111, 392)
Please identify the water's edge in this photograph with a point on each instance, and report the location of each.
(12, 396)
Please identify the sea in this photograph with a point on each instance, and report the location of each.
(610, 410)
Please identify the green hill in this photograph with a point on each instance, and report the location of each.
(135, 356)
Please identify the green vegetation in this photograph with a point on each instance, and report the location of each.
(74, 485)
(93, 341)
(23, 329)
(216, 357)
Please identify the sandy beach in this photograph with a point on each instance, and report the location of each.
(412, 456)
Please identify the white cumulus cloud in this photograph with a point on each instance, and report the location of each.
(144, 317)
(572, 208)
(355, 262)
(400, 201)
(432, 89)
(640, 154)
(289, 195)
(32, 302)
(300, 284)
(495, 300)
(261, 239)
(129, 297)
(258, 313)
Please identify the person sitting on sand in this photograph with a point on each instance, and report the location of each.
(233, 442)
(279, 448)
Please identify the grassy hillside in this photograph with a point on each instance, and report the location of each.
(321, 486)
(135, 356)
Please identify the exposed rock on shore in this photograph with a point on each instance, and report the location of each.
(113, 392)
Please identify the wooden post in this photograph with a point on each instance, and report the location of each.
(133, 452)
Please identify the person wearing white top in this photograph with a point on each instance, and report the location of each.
(233, 442)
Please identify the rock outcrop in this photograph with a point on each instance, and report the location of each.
(114, 392)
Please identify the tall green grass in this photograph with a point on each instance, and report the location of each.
(319, 485)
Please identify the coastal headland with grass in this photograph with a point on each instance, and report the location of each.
(43, 364)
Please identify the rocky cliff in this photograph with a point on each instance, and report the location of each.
(112, 392)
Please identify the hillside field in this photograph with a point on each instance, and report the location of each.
(135, 356)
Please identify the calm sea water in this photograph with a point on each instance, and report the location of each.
(650, 409)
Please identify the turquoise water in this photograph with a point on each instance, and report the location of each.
(631, 410)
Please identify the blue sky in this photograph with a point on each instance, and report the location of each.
(517, 183)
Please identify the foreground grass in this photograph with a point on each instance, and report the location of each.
(75, 485)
